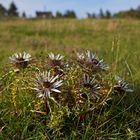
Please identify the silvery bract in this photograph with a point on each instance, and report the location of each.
(55, 60)
(20, 56)
(52, 56)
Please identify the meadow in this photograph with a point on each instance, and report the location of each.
(116, 41)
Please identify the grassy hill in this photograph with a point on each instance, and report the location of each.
(116, 41)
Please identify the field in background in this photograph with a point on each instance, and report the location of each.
(116, 41)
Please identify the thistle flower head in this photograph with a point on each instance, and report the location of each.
(121, 85)
(91, 84)
(52, 56)
(55, 60)
(20, 60)
(46, 84)
(90, 60)
(87, 81)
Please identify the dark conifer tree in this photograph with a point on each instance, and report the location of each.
(3, 11)
(12, 11)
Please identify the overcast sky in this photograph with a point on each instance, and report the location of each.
(81, 7)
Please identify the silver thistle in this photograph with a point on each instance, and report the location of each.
(91, 84)
(20, 60)
(90, 59)
(121, 85)
(46, 84)
(55, 61)
(87, 81)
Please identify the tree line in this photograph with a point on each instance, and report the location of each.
(132, 13)
(12, 11)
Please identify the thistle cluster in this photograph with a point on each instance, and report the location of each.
(71, 84)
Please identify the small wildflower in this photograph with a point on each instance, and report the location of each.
(20, 60)
(121, 86)
(90, 60)
(45, 84)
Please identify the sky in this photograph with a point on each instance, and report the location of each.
(81, 7)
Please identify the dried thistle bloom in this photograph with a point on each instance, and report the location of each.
(87, 81)
(46, 84)
(57, 64)
(20, 60)
(56, 57)
(90, 60)
(121, 86)
(90, 83)
(55, 60)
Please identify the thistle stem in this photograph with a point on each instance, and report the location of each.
(47, 109)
